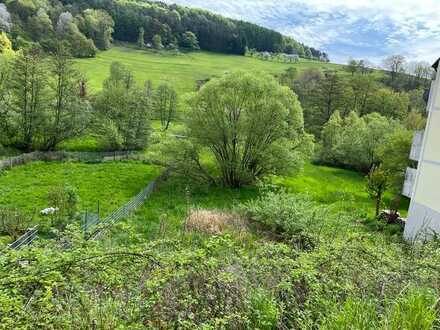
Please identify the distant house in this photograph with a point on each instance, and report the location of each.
(292, 57)
(422, 185)
(266, 55)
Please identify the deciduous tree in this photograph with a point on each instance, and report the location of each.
(395, 65)
(165, 104)
(98, 26)
(157, 42)
(249, 124)
(394, 156)
(29, 97)
(68, 113)
(352, 66)
(189, 40)
(125, 110)
(141, 38)
(5, 45)
(377, 185)
(5, 18)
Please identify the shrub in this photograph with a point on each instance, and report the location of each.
(13, 223)
(65, 200)
(249, 125)
(295, 217)
(264, 310)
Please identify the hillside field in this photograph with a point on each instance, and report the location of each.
(111, 184)
(182, 71)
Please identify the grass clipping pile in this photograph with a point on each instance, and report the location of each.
(214, 222)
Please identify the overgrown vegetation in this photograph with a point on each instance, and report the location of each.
(348, 277)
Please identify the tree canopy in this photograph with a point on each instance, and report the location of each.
(88, 25)
(250, 125)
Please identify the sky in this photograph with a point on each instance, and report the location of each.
(360, 29)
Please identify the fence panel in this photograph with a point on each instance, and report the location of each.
(125, 210)
(25, 240)
(91, 220)
(104, 156)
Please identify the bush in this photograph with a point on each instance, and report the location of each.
(13, 223)
(295, 217)
(249, 125)
(264, 310)
(65, 200)
(355, 141)
(349, 281)
(110, 138)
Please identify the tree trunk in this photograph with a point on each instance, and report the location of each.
(378, 202)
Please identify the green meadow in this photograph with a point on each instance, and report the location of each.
(111, 184)
(338, 189)
(183, 70)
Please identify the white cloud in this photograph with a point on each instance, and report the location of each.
(372, 28)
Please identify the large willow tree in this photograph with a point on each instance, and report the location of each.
(250, 126)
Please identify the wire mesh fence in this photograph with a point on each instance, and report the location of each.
(90, 220)
(92, 223)
(25, 240)
(93, 226)
(123, 212)
(103, 156)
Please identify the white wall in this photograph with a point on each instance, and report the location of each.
(424, 212)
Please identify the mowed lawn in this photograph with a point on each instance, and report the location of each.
(182, 71)
(112, 184)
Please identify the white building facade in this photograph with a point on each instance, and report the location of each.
(423, 185)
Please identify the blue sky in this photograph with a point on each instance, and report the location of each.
(370, 29)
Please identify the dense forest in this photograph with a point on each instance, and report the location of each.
(89, 25)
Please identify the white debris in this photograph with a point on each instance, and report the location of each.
(49, 211)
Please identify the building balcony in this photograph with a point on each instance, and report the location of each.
(410, 179)
(416, 149)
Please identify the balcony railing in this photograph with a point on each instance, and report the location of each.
(416, 149)
(410, 179)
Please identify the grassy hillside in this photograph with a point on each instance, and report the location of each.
(182, 71)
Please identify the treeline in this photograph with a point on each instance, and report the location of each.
(362, 120)
(322, 93)
(89, 25)
(44, 102)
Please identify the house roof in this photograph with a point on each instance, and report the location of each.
(436, 64)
